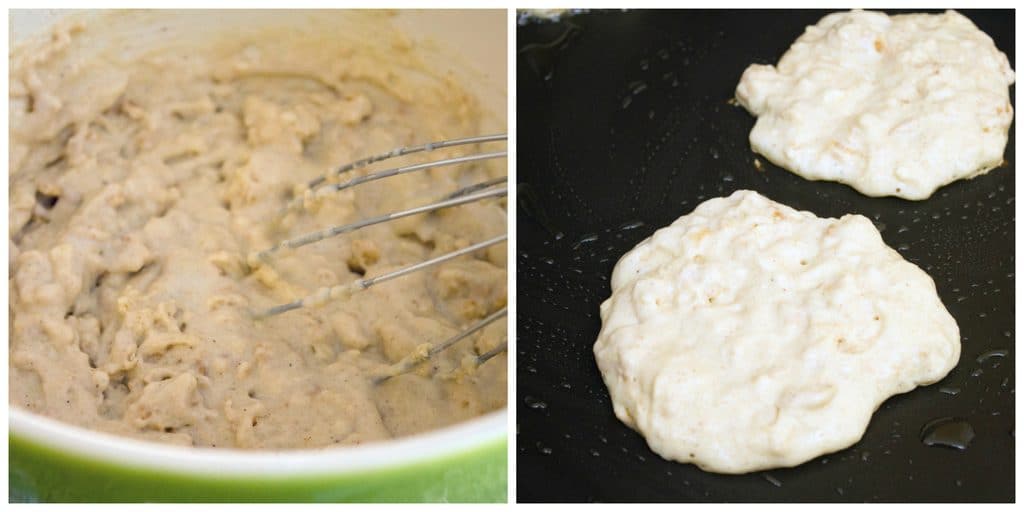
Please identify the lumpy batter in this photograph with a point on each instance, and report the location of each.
(137, 188)
(748, 335)
(890, 105)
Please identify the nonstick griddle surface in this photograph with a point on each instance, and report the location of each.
(623, 126)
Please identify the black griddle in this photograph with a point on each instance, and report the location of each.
(624, 124)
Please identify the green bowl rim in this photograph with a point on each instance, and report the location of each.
(465, 437)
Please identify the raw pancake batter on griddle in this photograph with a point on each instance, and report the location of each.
(748, 335)
(137, 190)
(892, 106)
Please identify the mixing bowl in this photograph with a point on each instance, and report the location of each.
(53, 461)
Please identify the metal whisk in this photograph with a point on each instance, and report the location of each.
(330, 184)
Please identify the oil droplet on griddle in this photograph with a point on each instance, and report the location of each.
(584, 240)
(949, 432)
(631, 225)
(999, 352)
(772, 480)
(534, 403)
(634, 89)
(950, 390)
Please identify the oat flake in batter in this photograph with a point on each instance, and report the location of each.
(138, 187)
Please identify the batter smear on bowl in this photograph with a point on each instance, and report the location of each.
(140, 182)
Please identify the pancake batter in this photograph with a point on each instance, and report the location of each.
(138, 187)
(748, 335)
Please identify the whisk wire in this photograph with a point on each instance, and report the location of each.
(336, 292)
(317, 236)
(408, 150)
(488, 189)
(397, 171)
(415, 359)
